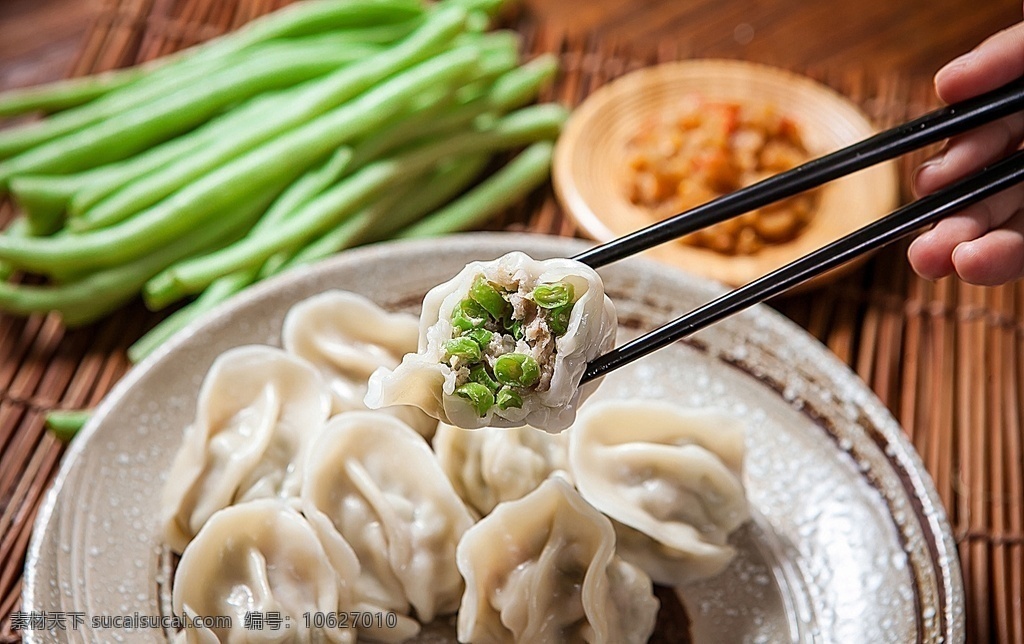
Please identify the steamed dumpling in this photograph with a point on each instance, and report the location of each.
(258, 408)
(263, 556)
(380, 486)
(544, 569)
(504, 343)
(347, 337)
(490, 465)
(671, 479)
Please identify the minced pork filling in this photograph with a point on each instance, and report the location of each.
(503, 343)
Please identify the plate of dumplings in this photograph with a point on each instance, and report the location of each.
(295, 467)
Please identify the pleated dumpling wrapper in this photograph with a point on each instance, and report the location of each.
(504, 343)
(669, 477)
(375, 483)
(263, 556)
(258, 409)
(347, 337)
(544, 569)
(490, 465)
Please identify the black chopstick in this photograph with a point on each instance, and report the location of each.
(890, 228)
(930, 128)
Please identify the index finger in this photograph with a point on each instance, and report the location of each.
(994, 63)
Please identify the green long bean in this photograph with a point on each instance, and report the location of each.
(506, 186)
(95, 295)
(525, 126)
(275, 163)
(63, 94)
(521, 85)
(307, 187)
(193, 65)
(72, 92)
(394, 210)
(95, 185)
(151, 123)
(304, 105)
(16, 229)
(46, 198)
(377, 224)
(65, 423)
(512, 89)
(217, 292)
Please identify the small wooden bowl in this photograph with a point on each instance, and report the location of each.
(590, 171)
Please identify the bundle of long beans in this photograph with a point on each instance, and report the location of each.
(327, 124)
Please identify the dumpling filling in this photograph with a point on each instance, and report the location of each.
(503, 345)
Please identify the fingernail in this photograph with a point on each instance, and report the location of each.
(931, 163)
(960, 61)
(959, 250)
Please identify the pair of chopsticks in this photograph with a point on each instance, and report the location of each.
(931, 128)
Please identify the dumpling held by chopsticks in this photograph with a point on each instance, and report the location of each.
(504, 343)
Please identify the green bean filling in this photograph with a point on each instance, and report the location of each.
(517, 370)
(508, 398)
(479, 374)
(495, 331)
(558, 319)
(479, 395)
(468, 315)
(487, 296)
(553, 296)
(482, 337)
(464, 348)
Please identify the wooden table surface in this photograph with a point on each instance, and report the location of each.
(38, 38)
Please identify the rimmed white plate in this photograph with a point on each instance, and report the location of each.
(849, 544)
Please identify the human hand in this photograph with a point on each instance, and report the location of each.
(983, 244)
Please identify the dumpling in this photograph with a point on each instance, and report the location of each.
(263, 557)
(544, 569)
(490, 465)
(380, 486)
(504, 343)
(347, 337)
(671, 479)
(258, 408)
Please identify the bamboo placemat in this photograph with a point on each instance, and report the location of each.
(946, 358)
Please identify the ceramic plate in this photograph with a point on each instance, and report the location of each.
(589, 167)
(849, 542)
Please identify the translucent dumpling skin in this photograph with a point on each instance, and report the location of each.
(347, 337)
(263, 556)
(544, 569)
(258, 408)
(504, 344)
(378, 486)
(669, 477)
(490, 465)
